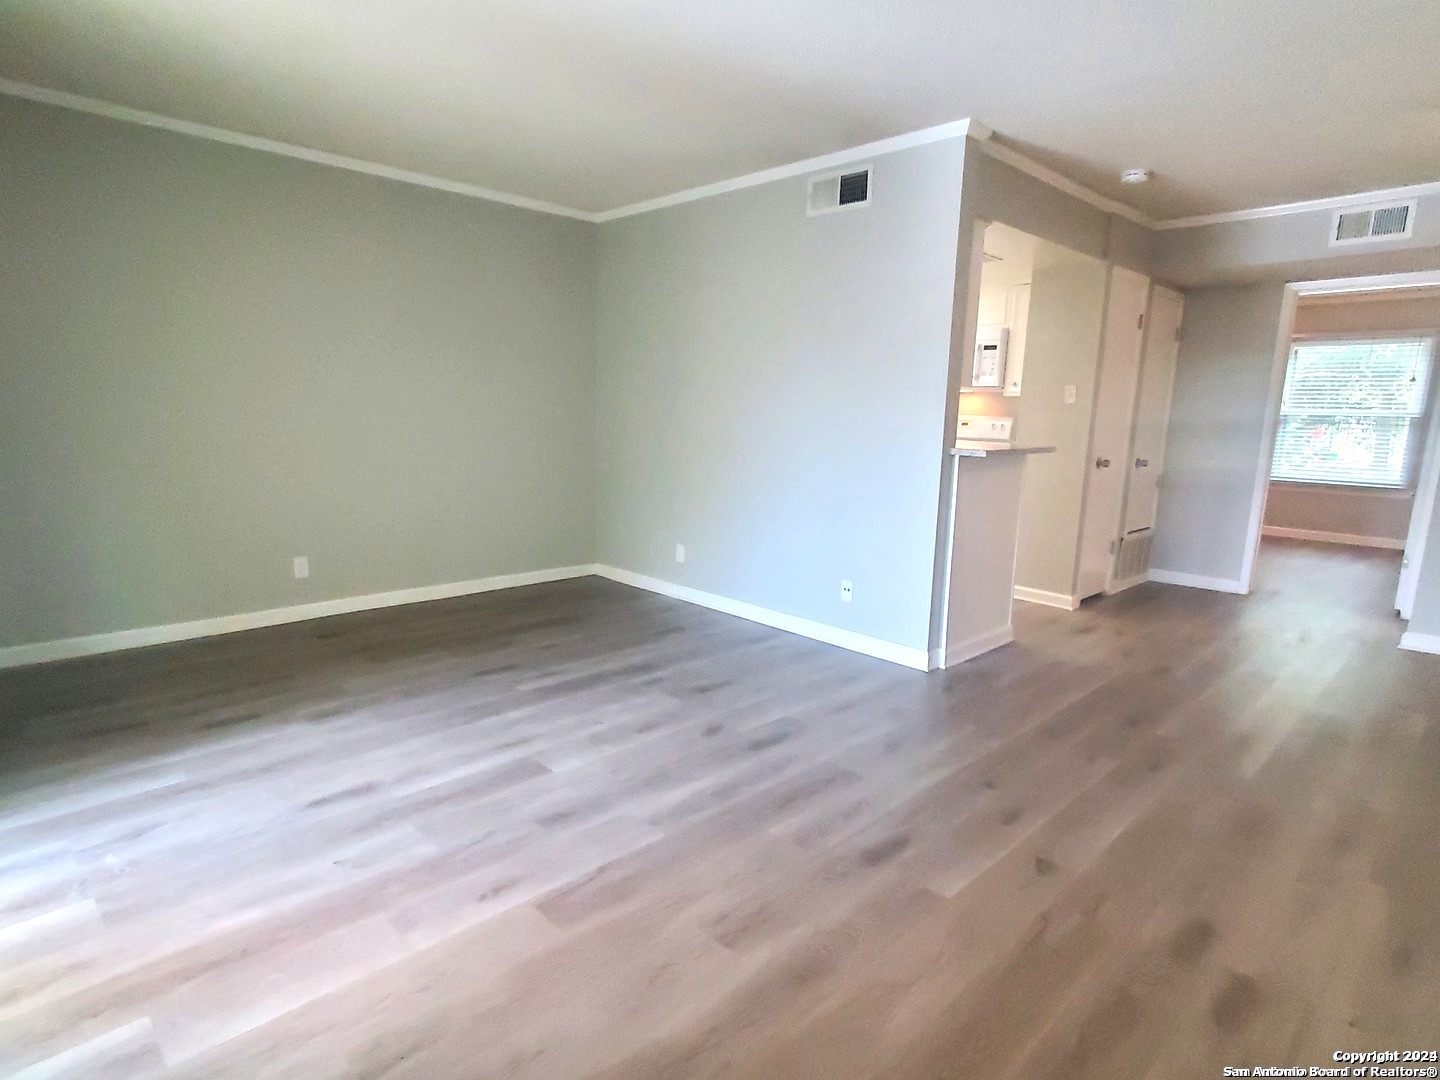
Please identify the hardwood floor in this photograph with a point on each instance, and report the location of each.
(577, 830)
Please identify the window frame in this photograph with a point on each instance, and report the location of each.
(1420, 425)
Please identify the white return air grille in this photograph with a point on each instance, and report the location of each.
(1367, 224)
(1132, 561)
(848, 189)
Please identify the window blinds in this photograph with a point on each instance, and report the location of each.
(1350, 412)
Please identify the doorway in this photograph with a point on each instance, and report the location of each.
(1352, 453)
(1044, 305)
(1081, 357)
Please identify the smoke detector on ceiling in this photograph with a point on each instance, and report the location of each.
(1135, 176)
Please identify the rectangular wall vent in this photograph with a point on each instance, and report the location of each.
(843, 190)
(1132, 561)
(1367, 224)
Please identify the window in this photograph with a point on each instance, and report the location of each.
(1351, 411)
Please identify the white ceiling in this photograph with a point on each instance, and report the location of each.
(595, 105)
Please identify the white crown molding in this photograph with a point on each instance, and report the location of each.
(794, 624)
(65, 100)
(65, 648)
(1373, 296)
(1334, 202)
(956, 129)
(1045, 174)
(1418, 279)
(1058, 180)
(972, 128)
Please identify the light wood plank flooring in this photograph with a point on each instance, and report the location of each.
(577, 831)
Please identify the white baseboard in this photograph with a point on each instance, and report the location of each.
(1426, 643)
(44, 651)
(1049, 599)
(970, 648)
(1197, 581)
(1128, 583)
(794, 624)
(1334, 538)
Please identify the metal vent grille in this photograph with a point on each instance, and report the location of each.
(1132, 561)
(1366, 224)
(847, 190)
(854, 187)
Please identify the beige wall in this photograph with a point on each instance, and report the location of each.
(213, 359)
(1379, 516)
(1367, 316)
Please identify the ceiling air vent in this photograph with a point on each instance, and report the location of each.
(839, 191)
(1366, 224)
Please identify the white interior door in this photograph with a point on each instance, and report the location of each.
(1152, 410)
(1110, 434)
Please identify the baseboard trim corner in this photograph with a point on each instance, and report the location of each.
(91, 644)
(905, 655)
(1049, 599)
(1198, 581)
(975, 646)
(1319, 536)
(1416, 642)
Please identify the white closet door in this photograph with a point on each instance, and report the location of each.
(1152, 412)
(1106, 471)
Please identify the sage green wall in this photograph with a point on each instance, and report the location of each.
(213, 359)
(772, 391)
(1218, 422)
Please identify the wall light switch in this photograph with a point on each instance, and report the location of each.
(1072, 394)
(679, 552)
(302, 566)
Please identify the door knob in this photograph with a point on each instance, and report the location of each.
(1142, 463)
(1102, 463)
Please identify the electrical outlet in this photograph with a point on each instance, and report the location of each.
(302, 566)
(679, 552)
(1072, 394)
(847, 591)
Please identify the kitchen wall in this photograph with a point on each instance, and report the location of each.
(772, 394)
(212, 360)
